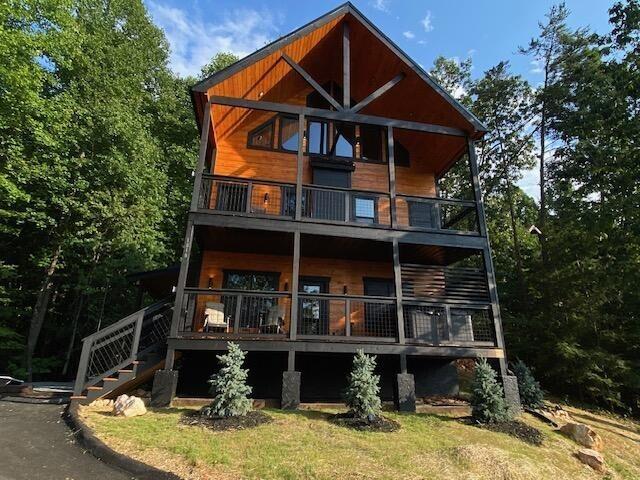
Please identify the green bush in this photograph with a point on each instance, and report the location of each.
(229, 386)
(487, 397)
(531, 395)
(363, 393)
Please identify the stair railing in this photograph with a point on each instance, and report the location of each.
(119, 345)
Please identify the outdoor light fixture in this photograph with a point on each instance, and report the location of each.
(344, 289)
(266, 198)
(286, 286)
(210, 282)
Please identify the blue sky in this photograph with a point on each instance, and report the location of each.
(487, 31)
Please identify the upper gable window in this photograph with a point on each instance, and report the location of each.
(400, 155)
(262, 136)
(372, 140)
(289, 133)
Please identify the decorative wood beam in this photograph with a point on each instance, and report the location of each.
(378, 93)
(312, 82)
(333, 115)
(346, 67)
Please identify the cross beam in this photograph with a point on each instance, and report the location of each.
(312, 82)
(378, 93)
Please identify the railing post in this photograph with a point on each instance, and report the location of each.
(136, 335)
(397, 276)
(236, 317)
(347, 317)
(83, 365)
(348, 200)
(447, 313)
(249, 197)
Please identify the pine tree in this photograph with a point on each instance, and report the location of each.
(487, 397)
(530, 392)
(229, 386)
(363, 393)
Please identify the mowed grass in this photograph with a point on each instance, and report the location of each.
(304, 445)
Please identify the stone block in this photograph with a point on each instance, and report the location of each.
(406, 392)
(512, 394)
(290, 390)
(164, 388)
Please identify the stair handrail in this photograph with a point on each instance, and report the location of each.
(90, 343)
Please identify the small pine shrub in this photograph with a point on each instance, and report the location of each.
(487, 397)
(363, 393)
(229, 386)
(531, 395)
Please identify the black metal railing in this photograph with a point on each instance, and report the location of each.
(120, 344)
(422, 213)
(255, 197)
(325, 315)
(345, 205)
(445, 324)
(225, 311)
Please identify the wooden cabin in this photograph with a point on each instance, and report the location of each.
(336, 207)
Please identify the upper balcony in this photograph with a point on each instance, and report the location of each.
(274, 165)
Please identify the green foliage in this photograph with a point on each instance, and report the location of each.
(219, 61)
(530, 392)
(487, 397)
(229, 386)
(363, 393)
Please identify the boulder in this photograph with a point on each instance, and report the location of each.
(561, 415)
(583, 434)
(592, 458)
(102, 403)
(128, 406)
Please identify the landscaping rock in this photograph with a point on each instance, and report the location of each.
(583, 434)
(560, 415)
(129, 406)
(592, 458)
(102, 403)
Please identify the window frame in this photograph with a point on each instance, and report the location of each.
(383, 145)
(355, 218)
(272, 123)
(280, 117)
(235, 271)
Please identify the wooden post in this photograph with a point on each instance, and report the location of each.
(300, 166)
(295, 282)
(398, 286)
(486, 255)
(346, 66)
(392, 179)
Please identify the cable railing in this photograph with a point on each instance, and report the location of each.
(241, 312)
(439, 214)
(335, 316)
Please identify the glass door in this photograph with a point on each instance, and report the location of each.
(313, 316)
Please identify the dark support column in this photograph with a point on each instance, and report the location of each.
(392, 179)
(295, 274)
(164, 388)
(346, 66)
(403, 363)
(397, 276)
(291, 361)
(486, 254)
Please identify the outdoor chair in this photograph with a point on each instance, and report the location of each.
(273, 321)
(214, 316)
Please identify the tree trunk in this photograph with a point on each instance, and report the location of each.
(40, 310)
(72, 340)
(516, 243)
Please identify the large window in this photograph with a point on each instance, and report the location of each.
(289, 133)
(250, 280)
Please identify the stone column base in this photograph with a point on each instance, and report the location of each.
(512, 394)
(164, 388)
(290, 390)
(405, 393)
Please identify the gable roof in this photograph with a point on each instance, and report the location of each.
(347, 8)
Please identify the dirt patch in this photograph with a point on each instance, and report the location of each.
(250, 420)
(375, 424)
(515, 428)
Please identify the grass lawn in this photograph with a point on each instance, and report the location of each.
(303, 445)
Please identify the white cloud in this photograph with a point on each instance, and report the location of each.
(409, 34)
(535, 66)
(382, 5)
(193, 41)
(426, 22)
(422, 42)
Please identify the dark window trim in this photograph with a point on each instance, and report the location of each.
(271, 121)
(364, 197)
(228, 271)
(314, 279)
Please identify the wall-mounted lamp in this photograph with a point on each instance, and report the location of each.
(266, 198)
(210, 282)
(286, 286)
(344, 289)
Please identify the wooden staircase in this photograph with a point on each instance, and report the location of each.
(124, 355)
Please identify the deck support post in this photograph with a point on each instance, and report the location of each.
(346, 66)
(299, 167)
(295, 282)
(486, 255)
(392, 178)
(397, 276)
